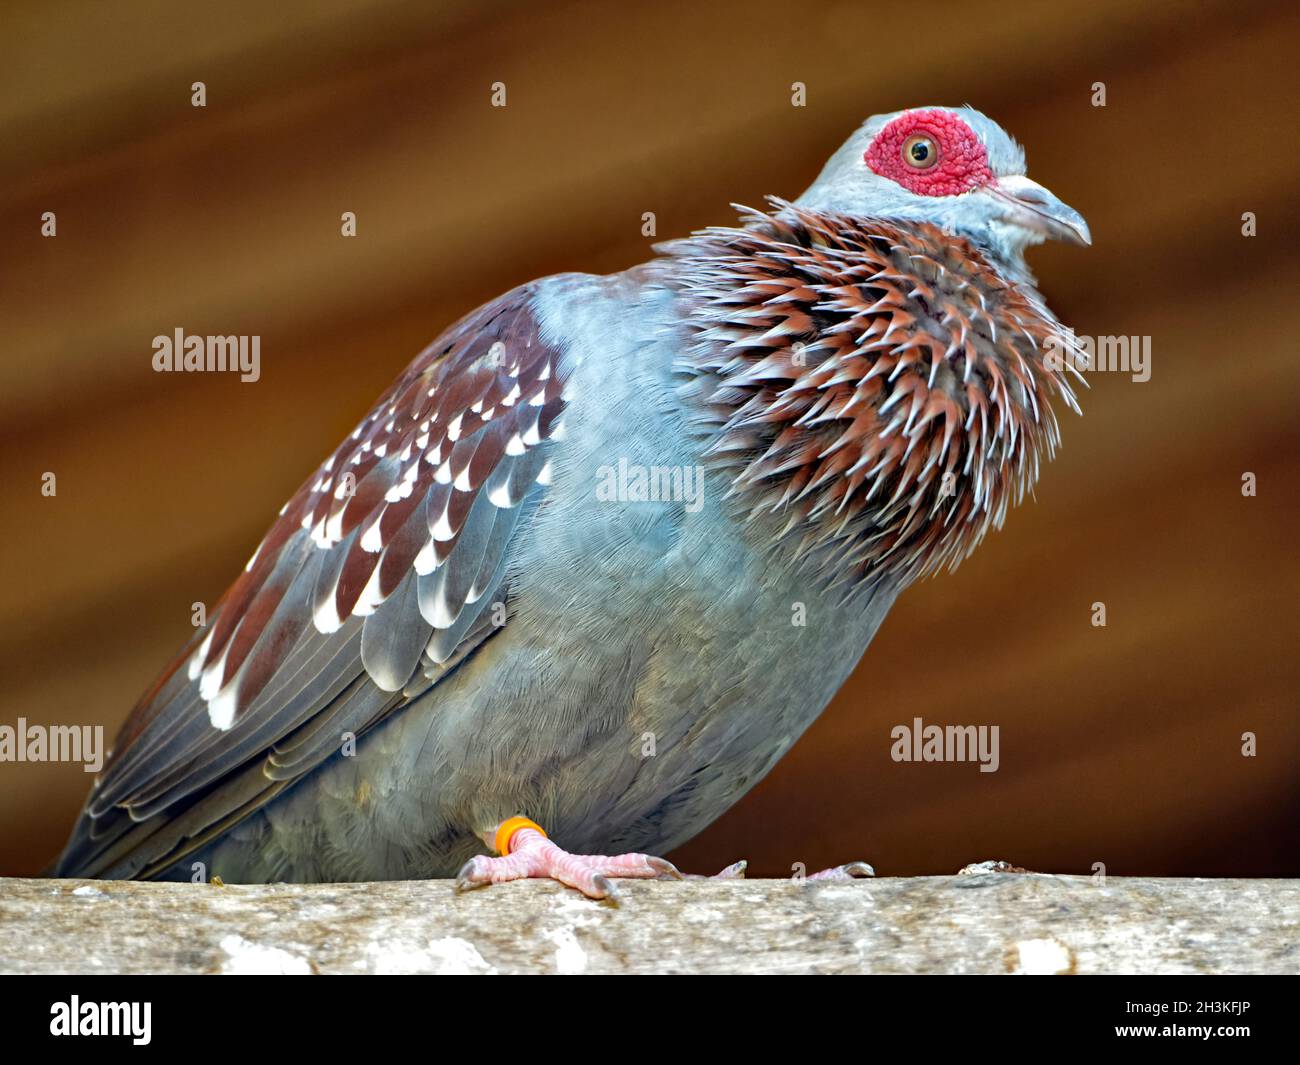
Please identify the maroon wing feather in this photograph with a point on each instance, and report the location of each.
(375, 580)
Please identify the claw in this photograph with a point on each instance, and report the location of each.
(665, 869)
(606, 888)
(465, 878)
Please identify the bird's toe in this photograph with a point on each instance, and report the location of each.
(848, 871)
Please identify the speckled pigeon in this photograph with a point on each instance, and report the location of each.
(607, 547)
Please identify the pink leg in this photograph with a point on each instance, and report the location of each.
(531, 854)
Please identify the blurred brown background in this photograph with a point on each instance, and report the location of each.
(1120, 745)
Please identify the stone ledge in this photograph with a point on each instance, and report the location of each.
(983, 923)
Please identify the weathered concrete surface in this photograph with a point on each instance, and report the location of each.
(990, 923)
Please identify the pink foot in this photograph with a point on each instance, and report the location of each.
(528, 853)
(991, 866)
(851, 871)
(735, 871)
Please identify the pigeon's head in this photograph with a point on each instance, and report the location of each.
(953, 167)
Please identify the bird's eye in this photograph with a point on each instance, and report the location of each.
(920, 152)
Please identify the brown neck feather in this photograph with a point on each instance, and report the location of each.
(877, 386)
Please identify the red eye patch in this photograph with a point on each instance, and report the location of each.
(963, 163)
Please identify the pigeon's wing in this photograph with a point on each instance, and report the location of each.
(375, 581)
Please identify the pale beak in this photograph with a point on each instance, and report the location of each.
(1029, 205)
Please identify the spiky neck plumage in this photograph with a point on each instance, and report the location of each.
(878, 389)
